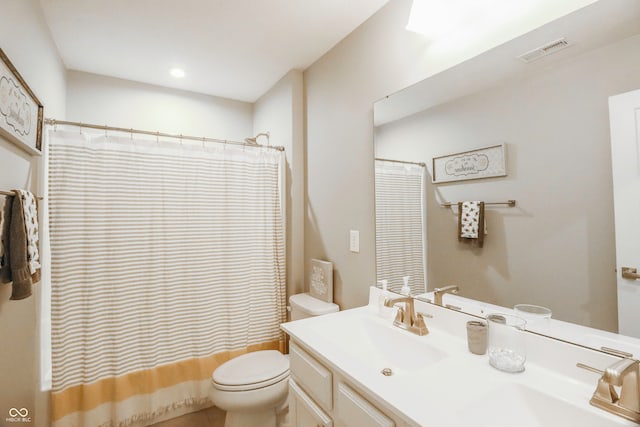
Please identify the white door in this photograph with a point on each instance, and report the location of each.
(624, 117)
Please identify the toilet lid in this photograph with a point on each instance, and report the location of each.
(252, 370)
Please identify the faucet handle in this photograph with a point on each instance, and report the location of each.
(624, 373)
(420, 324)
(424, 314)
(399, 315)
(604, 390)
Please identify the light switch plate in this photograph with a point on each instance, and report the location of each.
(354, 241)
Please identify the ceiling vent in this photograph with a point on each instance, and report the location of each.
(544, 50)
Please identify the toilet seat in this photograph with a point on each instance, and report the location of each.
(251, 371)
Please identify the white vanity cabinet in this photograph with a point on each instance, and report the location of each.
(322, 396)
(312, 376)
(354, 410)
(303, 411)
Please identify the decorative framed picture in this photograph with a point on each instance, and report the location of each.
(321, 285)
(21, 113)
(486, 162)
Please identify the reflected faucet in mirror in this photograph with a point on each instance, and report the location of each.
(439, 292)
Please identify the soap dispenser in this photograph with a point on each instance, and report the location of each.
(406, 289)
(384, 311)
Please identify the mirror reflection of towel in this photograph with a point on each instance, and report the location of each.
(471, 225)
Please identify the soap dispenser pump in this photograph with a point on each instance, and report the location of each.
(406, 289)
(382, 309)
(385, 292)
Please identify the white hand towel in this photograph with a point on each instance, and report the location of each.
(470, 217)
(31, 223)
(471, 222)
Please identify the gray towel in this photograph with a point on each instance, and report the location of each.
(5, 221)
(15, 259)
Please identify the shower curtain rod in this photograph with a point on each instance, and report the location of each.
(54, 122)
(401, 161)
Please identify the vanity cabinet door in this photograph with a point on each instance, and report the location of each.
(315, 379)
(303, 411)
(354, 410)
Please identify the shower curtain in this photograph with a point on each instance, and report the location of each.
(400, 224)
(166, 260)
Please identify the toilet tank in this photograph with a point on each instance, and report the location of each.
(304, 305)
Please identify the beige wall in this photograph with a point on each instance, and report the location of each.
(122, 103)
(280, 111)
(380, 57)
(339, 93)
(25, 39)
(556, 248)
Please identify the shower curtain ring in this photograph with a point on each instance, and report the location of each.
(203, 142)
(158, 137)
(80, 128)
(131, 133)
(180, 139)
(105, 131)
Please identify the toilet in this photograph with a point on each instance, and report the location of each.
(253, 388)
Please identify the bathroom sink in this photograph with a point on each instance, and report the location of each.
(518, 405)
(378, 344)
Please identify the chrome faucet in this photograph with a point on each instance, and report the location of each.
(624, 373)
(406, 317)
(439, 292)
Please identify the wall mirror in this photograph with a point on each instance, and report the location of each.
(556, 247)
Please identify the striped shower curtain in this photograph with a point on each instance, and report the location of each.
(166, 261)
(400, 224)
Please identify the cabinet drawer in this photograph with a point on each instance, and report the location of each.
(354, 410)
(314, 378)
(303, 410)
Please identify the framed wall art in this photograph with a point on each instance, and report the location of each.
(21, 113)
(486, 162)
(321, 285)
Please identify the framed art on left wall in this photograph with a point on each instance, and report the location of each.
(21, 113)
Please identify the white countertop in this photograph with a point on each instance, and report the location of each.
(438, 382)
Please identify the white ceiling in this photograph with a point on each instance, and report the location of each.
(230, 48)
(590, 27)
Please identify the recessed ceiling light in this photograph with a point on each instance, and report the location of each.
(178, 73)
